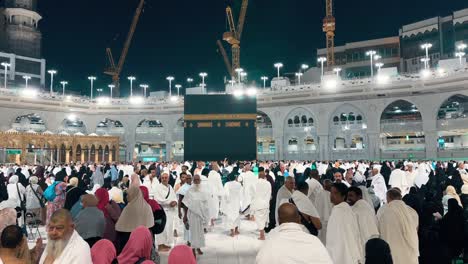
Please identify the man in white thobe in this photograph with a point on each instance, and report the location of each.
(196, 214)
(398, 179)
(260, 207)
(64, 244)
(410, 174)
(208, 190)
(314, 185)
(167, 198)
(290, 244)
(180, 205)
(151, 182)
(343, 239)
(365, 213)
(378, 185)
(398, 225)
(284, 193)
(214, 180)
(231, 204)
(324, 208)
(249, 181)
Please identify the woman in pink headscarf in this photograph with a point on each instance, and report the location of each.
(111, 212)
(103, 252)
(159, 220)
(138, 247)
(181, 254)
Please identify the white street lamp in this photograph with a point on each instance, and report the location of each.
(92, 79)
(52, 72)
(111, 87)
(377, 57)
(278, 66)
(178, 86)
(460, 55)
(243, 75)
(299, 75)
(189, 81)
(63, 83)
(264, 79)
(99, 90)
(144, 86)
(170, 79)
(371, 54)
(322, 60)
(461, 46)
(304, 67)
(203, 75)
(6, 65)
(379, 66)
(232, 82)
(239, 71)
(337, 70)
(26, 79)
(131, 79)
(426, 62)
(426, 46)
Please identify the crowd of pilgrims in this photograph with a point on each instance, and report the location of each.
(339, 212)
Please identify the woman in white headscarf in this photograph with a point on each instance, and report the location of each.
(33, 196)
(98, 177)
(16, 191)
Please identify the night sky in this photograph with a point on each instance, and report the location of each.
(178, 37)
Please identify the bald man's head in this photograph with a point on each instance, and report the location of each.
(287, 213)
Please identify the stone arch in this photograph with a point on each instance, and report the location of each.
(110, 127)
(345, 110)
(299, 114)
(401, 109)
(73, 125)
(29, 122)
(263, 120)
(453, 107)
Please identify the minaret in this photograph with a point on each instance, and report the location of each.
(22, 36)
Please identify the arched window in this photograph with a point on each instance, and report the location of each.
(304, 119)
(351, 117)
(359, 118)
(343, 117)
(296, 120)
(290, 121)
(310, 121)
(336, 119)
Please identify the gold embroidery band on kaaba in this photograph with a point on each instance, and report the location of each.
(230, 117)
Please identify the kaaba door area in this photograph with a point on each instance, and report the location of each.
(220, 126)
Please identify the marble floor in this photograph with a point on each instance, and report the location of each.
(221, 248)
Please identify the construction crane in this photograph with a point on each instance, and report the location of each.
(115, 70)
(329, 29)
(233, 37)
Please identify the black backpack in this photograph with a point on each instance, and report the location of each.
(159, 221)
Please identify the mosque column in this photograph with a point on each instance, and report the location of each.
(324, 147)
(279, 148)
(430, 138)
(373, 146)
(169, 141)
(67, 156)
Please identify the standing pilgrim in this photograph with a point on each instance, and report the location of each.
(166, 197)
(248, 188)
(260, 206)
(398, 179)
(231, 204)
(378, 184)
(343, 238)
(367, 220)
(398, 226)
(324, 208)
(314, 185)
(180, 205)
(411, 174)
(214, 180)
(284, 193)
(196, 214)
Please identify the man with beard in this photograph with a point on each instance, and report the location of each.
(166, 197)
(196, 214)
(64, 245)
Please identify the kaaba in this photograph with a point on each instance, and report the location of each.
(220, 126)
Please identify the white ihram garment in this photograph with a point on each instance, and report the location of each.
(214, 180)
(380, 188)
(151, 185)
(162, 197)
(75, 252)
(231, 204)
(343, 239)
(314, 188)
(324, 209)
(260, 206)
(398, 226)
(197, 215)
(249, 180)
(367, 220)
(283, 194)
(292, 245)
(398, 179)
